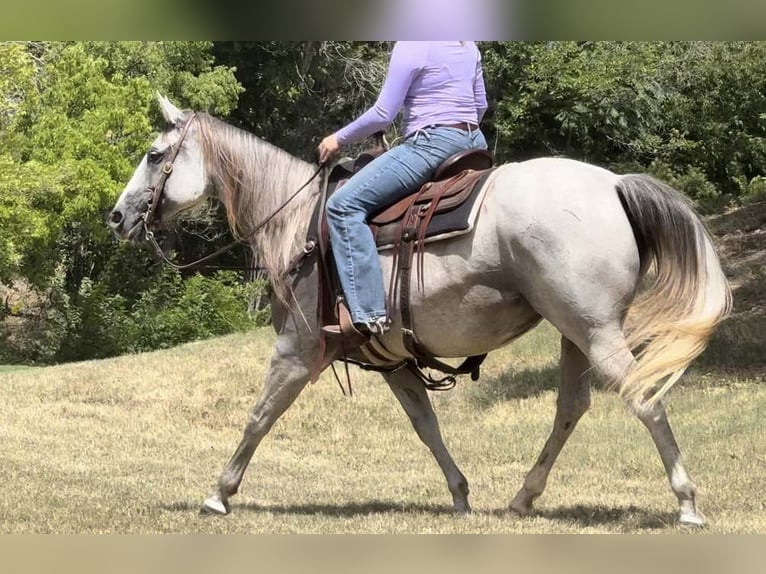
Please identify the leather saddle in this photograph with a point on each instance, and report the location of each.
(451, 181)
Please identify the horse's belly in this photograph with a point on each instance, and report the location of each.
(484, 320)
(463, 311)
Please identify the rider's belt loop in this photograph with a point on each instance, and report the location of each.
(422, 132)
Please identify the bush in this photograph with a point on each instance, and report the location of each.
(176, 311)
(37, 327)
(104, 328)
(756, 191)
(97, 323)
(692, 182)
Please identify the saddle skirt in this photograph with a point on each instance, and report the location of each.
(448, 208)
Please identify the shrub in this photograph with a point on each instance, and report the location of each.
(104, 327)
(97, 323)
(35, 333)
(692, 182)
(176, 311)
(756, 190)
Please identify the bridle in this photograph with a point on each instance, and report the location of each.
(155, 199)
(158, 188)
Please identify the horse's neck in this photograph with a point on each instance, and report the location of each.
(261, 179)
(254, 177)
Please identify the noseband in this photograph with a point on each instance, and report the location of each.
(158, 188)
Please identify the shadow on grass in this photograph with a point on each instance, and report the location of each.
(347, 510)
(736, 348)
(627, 517)
(511, 385)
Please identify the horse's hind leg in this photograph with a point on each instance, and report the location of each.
(572, 402)
(412, 395)
(655, 419)
(286, 378)
(612, 358)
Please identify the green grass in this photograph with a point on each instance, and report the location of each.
(134, 444)
(12, 368)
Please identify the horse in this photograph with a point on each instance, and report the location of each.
(620, 265)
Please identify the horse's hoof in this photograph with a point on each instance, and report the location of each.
(214, 506)
(520, 510)
(692, 520)
(462, 507)
(521, 505)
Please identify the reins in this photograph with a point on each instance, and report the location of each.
(157, 189)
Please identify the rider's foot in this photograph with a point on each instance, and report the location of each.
(349, 335)
(358, 333)
(378, 327)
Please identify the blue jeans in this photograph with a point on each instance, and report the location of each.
(385, 180)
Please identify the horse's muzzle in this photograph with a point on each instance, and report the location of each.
(122, 228)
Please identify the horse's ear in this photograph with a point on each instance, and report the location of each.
(173, 116)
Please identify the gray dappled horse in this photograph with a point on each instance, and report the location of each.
(555, 239)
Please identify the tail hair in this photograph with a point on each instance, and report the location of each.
(669, 323)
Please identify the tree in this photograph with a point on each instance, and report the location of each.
(81, 129)
(690, 112)
(76, 118)
(297, 92)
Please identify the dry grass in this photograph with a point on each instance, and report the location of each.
(134, 444)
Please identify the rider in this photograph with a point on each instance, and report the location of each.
(441, 88)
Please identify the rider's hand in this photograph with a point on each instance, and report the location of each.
(328, 148)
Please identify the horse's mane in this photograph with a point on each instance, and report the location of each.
(254, 178)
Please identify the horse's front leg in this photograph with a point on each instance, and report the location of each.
(288, 374)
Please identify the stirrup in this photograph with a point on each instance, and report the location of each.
(345, 329)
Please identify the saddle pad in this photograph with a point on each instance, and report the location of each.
(444, 225)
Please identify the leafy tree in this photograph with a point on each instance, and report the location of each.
(713, 117)
(82, 131)
(297, 92)
(76, 118)
(692, 112)
(589, 100)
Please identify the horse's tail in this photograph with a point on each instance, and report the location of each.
(669, 323)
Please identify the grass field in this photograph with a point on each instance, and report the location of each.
(134, 444)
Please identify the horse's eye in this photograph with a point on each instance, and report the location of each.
(154, 156)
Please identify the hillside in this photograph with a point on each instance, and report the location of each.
(134, 444)
(740, 344)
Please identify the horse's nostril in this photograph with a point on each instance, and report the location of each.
(115, 218)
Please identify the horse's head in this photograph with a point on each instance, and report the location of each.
(170, 178)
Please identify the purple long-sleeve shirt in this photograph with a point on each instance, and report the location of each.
(434, 83)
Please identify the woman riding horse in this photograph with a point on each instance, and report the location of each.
(441, 88)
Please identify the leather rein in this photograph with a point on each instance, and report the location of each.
(155, 199)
